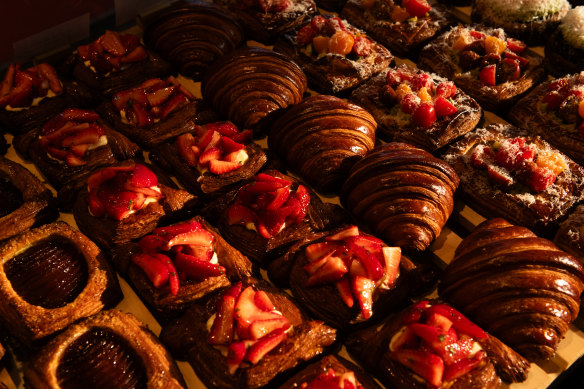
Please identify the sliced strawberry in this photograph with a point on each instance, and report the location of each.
(223, 326)
(197, 237)
(444, 107)
(314, 266)
(100, 176)
(274, 221)
(156, 271)
(553, 100)
(344, 289)
(121, 100)
(511, 69)
(196, 269)
(244, 136)
(160, 96)
(22, 94)
(79, 115)
(415, 312)
(246, 312)
(57, 153)
(228, 145)
(224, 128)
(84, 52)
(88, 136)
(272, 201)
(264, 345)
(204, 253)
(173, 281)
(521, 60)
(240, 214)
(305, 34)
(318, 23)
(118, 204)
(185, 143)
(422, 80)
(362, 288)
(482, 156)
(369, 260)
(439, 321)
(263, 302)
(499, 176)
(130, 41)
(318, 250)
(425, 364)
(260, 328)
(346, 233)
(239, 156)
(270, 178)
(176, 102)
(516, 46)
(142, 177)
(462, 367)
(221, 167)
(112, 43)
(459, 322)
(404, 339)
(236, 354)
(417, 8)
(73, 160)
(392, 258)
(139, 116)
(446, 89)
(488, 75)
(212, 153)
(96, 207)
(136, 55)
(357, 269)
(361, 46)
(151, 243)
(49, 73)
(80, 150)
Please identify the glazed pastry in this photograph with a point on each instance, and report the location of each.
(156, 111)
(528, 20)
(331, 370)
(272, 82)
(321, 138)
(268, 213)
(519, 287)
(401, 26)
(493, 68)
(181, 263)
(505, 172)
(569, 236)
(264, 21)
(564, 48)
(432, 345)
(111, 348)
(49, 278)
(26, 202)
(334, 55)
(211, 159)
(418, 108)
(192, 35)
(552, 111)
(114, 62)
(402, 193)
(268, 335)
(126, 202)
(29, 96)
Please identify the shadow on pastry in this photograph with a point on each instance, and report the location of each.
(26, 202)
(109, 349)
(126, 202)
(569, 236)
(212, 159)
(50, 277)
(264, 332)
(179, 264)
(564, 53)
(155, 111)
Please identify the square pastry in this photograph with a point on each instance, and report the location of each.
(493, 68)
(335, 55)
(504, 171)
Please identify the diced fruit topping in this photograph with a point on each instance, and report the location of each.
(565, 100)
(333, 380)
(117, 191)
(437, 343)
(416, 8)
(215, 146)
(70, 135)
(330, 35)
(248, 323)
(356, 263)
(20, 87)
(111, 51)
(269, 203)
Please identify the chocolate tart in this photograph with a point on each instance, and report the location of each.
(192, 35)
(519, 287)
(394, 125)
(564, 49)
(161, 300)
(403, 193)
(272, 82)
(515, 199)
(371, 348)
(50, 277)
(187, 336)
(111, 348)
(26, 201)
(321, 138)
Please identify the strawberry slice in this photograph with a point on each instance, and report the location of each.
(222, 328)
(236, 354)
(161, 95)
(224, 128)
(272, 201)
(439, 321)
(488, 75)
(143, 177)
(211, 153)
(112, 43)
(50, 74)
(87, 136)
(176, 102)
(369, 260)
(136, 55)
(127, 98)
(139, 116)
(152, 85)
(178, 228)
(404, 339)
(156, 271)
(96, 207)
(344, 289)
(151, 243)
(197, 237)
(425, 364)
(80, 150)
(459, 322)
(21, 95)
(482, 156)
(417, 8)
(439, 341)
(362, 288)
(264, 345)
(318, 250)
(239, 157)
(446, 89)
(392, 258)
(221, 167)
(499, 176)
(244, 136)
(260, 328)
(185, 143)
(118, 204)
(346, 233)
(228, 145)
(196, 269)
(263, 301)
(462, 367)
(271, 178)
(415, 312)
(79, 115)
(246, 312)
(240, 214)
(57, 153)
(130, 41)
(314, 266)
(444, 107)
(516, 45)
(73, 160)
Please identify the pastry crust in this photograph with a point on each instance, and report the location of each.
(439, 57)
(37, 203)
(392, 126)
(569, 236)
(128, 333)
(29, 318)
(508, 281)
(519, 204)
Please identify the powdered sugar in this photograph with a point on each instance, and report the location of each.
(572, 27)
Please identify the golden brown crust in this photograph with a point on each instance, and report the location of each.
(30, 322)
(160, 369)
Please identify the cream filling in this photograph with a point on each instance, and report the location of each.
(35, 102)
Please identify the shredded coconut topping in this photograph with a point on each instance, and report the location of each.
(524, 10)
(572, 27)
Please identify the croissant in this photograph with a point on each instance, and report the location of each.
(517, 286)
(404, 194)
(321, 138)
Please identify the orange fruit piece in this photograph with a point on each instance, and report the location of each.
(341, 43)
(494, 45)
(552, 161)
(321, 44)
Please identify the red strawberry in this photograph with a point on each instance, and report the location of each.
(263, 302)
(344, 234)
(422, 80)
(482, 156)
(344, 289)
(516, 45)
(271, 178)
(156, 271)
(392, 257)
(446, 89)
(409, 103)
(405, 339)
(417, 8)
(425, 364)
(221, 167)
(488, 75)
(223, 326)
(305, 35)
(361, 46)
(424, 115)
(318, 22)
(206, 138)
(240, 214)
(332, 270)
(121, 100)
(151, 243)
(499, 176)
(260, 328)
(130, 41)
(239, 156)
(368, 260)
(87, 136)
(246, 312)
(444, 107)
(272, 201)
(79, 115)
(264, 345)
(112, 43)
(160, 96)
(136, 55)
(174, 104)
(236, 354)
(80, 150)
(142, 177)
(244, 136)
(49, 73)
(318, 250)
(228, 145)
(73, 160)
(212, 153)
(521, 60)
(185, 144)
(196, 269)
(224, 128)
(462, 367)
(22, 94)
(439, 321)
(118, 204)
(415, 312)
(362, 288)
(197, 237)
(459, 322)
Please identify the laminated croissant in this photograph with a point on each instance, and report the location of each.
(515, 285)
(404, 194)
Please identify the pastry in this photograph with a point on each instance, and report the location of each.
(430, 344)
(265, 20)
(506, 172)
(402, 193)
(272, 82)
(528, 20)
(268, 213)
(114, 62)
(417, 107)
(155, 111)
(401, 26)
(564, 48)
(192, 35)
(519, 287)
(332, 371)
(179, 264)
(110, 349)
(211, 159)
(334, 55)
(29, 96)
(552, 111)
(493, 68)
(26, 202)
(321, 137)
(49, 278)
(265, 333)
(126, 202)
(569, 236)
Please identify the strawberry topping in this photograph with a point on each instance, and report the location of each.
(333, 380)
(330, 35)
(20, 86)
(110, 51)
